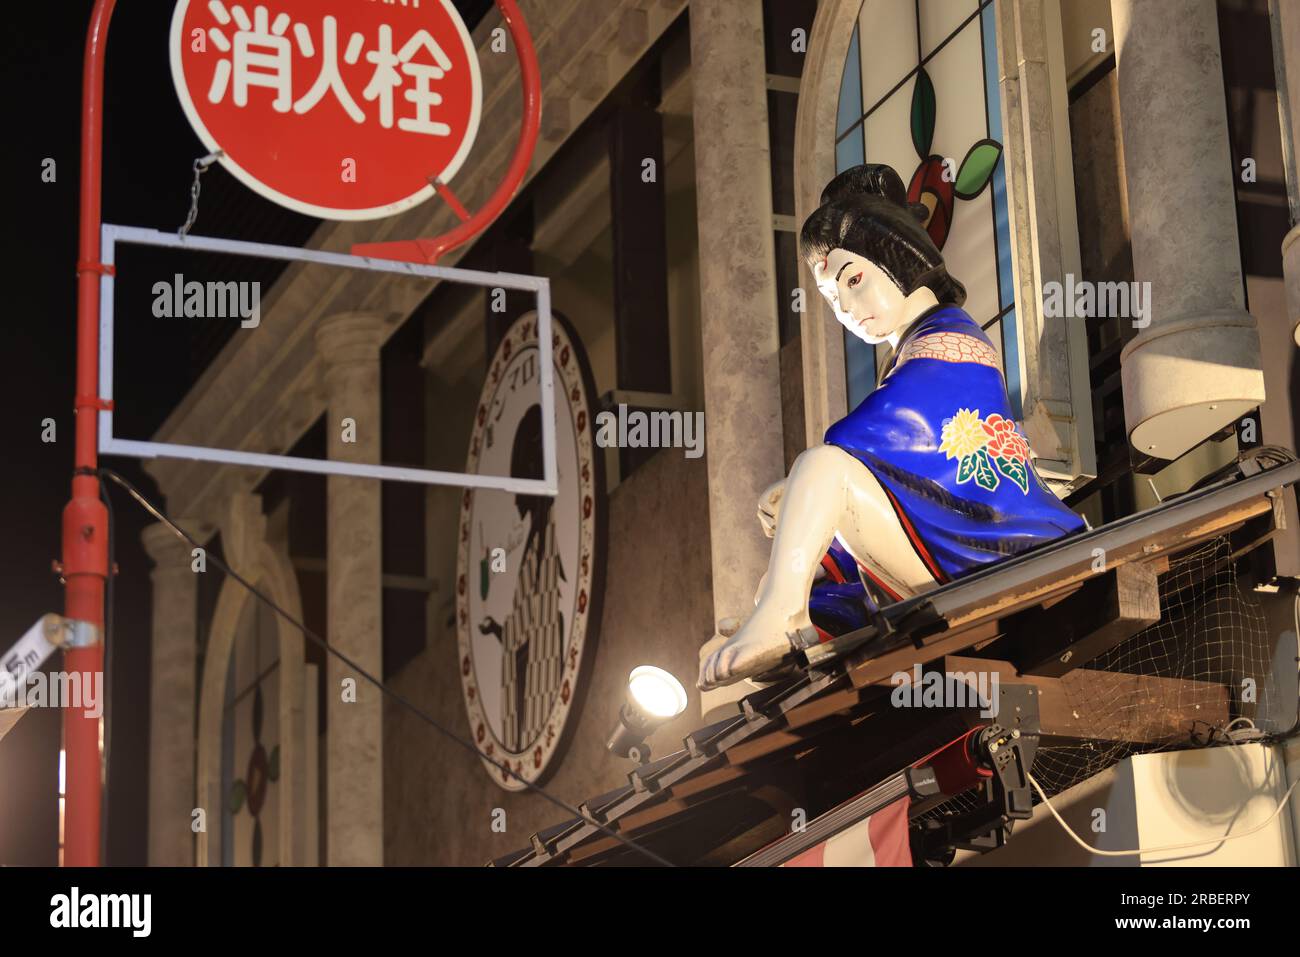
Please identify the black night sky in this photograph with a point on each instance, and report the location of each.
(149, 150)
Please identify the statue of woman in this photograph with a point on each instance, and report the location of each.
(928, 478)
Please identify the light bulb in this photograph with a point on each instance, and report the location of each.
(656, 692)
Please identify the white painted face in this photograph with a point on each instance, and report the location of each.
(866, 301)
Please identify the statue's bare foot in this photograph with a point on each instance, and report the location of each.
(758, 647)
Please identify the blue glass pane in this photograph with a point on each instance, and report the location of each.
(1002, 230)
(849, 151)
(1011, 362)
(859, 358)
(1000, 175)
(850, 105)
(860, 365)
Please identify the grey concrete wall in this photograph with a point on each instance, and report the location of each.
(439, 800)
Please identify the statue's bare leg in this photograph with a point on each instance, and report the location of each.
(828, 493)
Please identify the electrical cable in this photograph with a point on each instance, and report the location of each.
(1252, 733)
(399, 698)
(1268, 453)
(1281, 805)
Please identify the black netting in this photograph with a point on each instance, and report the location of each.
(1212, 641)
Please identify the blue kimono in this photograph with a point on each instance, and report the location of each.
(939, 436)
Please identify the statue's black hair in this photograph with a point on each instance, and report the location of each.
(865, 210)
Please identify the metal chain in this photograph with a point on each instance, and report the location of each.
(200, 167)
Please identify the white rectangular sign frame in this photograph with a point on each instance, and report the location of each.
(110, 444)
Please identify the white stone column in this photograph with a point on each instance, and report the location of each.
(1044, 240)
(1279, 419)
(1285, 22)
(349, 347)
(742, 384)
(1196, 367)
(172, 700)
(1285, 19)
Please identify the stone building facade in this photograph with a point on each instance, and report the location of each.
(742, 105)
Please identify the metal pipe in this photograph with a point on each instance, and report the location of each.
(85, 520)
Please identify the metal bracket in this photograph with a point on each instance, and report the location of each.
(70, 633)
(1008, 747)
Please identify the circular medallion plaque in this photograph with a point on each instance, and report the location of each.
(530, 569)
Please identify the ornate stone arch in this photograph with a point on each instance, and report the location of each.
(824, 387)
(270, 569)
(1043, 228)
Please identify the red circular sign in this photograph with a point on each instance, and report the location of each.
(342, 109)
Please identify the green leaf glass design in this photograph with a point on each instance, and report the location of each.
(977, 168)
(923, 114)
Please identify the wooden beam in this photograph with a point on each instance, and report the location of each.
(878, 670)
(979, 622)
(1080, 705)
(1053, 639)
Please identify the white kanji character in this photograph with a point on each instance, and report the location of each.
(329, 78)
(262, 54)
(387, 79)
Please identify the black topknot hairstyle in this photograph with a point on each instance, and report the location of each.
(865, 210)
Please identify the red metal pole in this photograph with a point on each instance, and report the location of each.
(85, 520)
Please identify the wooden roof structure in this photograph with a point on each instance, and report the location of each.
(829, 732)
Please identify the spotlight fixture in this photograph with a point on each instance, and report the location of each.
(653, 697)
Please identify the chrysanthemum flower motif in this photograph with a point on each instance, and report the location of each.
(986, 450)
(1004, 440)
(964, 434)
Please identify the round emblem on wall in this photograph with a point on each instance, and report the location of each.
(531, 567)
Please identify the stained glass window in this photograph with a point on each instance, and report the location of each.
(920, 93)
(251, 743)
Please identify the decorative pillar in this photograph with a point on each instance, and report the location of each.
(738, 318)
(349, 348)
(1196, 367)
(172, 698)
(1284, 20)
(1044, 241)
(1278, 425)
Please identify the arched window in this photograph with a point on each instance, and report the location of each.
(250, 756)
(920, 93)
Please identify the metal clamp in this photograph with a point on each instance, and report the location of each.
(70, 633)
